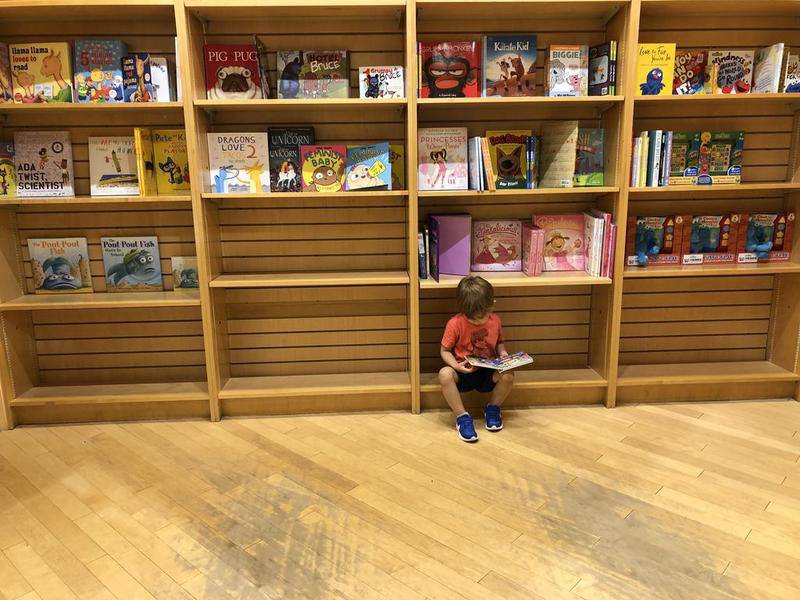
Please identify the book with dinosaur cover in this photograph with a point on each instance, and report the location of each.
(690, 72)
(162, 78)
(397, 158)
(6, 87)
(43, 161)
(238, 163)
(132, 264)
(323, 167)
(655, 68)
(767, 65)
(284, 157)
(368, 168)
(112, 166)
(145, 165)
(729, 72)
(60, 265)
(232, 72)
(449, 69)
(184, 272)
(381, 82)
(137, 78)
(313, 74)
(496, 245)
(603, 69)
(567, 71)
(589, 158)
(564, 242)
(713, 239)
(98, 70)
(720, 157)
(41, 72)
(8, 171)
(170, 160)
(442, 156)
(509, 65)
(765, 237)
(558, 147)
(509, 158)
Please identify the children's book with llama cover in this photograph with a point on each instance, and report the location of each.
(98, 70)
(397, 158)
(564, 241)
(502, 363)
(655, 69)
(6, 87)
(8, 171)
(43, 161)
(41, 72)
(729, 71)
(238, 163)
(132, 264)
(368, 168)
(112, 166)
(232, 72)
(496, 246)
(442, 156)
(171, 161)
(284, 157)
(567, 71)
(137, 79)
(145, 164)
(509, 158)
(323, 167)
(509, 65)
(184, 272)
(449, 69)
(60, 265)
(381, 82)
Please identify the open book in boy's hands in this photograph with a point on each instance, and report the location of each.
(503, 363)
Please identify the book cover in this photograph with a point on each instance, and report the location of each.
(532, 249)
(171, 160)
(654, 240)
(509, 65)
(6, 87)
(41, 72)
(381, 82)
(112, 166)
(232, 72)
(509, 159)
(284, 157)
(397, 158)
(432, 245)
(765, 237)
(791, 74)
(137, 79)
(145, 163)
(60, 265)
(132, 264)
(567, 71)
(450, 244)
(713, 239)
(422, 255)
(8, 170)
(442, 155)
(449, 69)
(603, 69)
(690, 72)
(501, 364)
(655, 65)
(184, 272)
(486, 163)
(636, 158)
(734, 71)
(589, 158)
(558, 150)
(43, 161)
(98, 70)
(593, 234)
(564, 242)
(533, 162)
(684, 158)
(238, 163)
(313, 74)
(496, 245)
(263, 66)
(290, 65)
(368, 168)
(475, 161)
(645, 159)
(720, 157)
(323, 167)
(767, 65)
(606, 251)
(161, 78)
(654, 157)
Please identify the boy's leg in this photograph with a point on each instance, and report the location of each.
(503, 384)
(449, 378)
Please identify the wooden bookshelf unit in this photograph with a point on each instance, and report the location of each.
(313, 302)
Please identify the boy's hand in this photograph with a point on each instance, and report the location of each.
(465, 367)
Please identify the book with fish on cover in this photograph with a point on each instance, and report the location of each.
(60, 265)
(132, 264)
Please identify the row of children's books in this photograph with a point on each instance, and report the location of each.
(151, 162)
(709, 239)
(504, 65)
(84, 71)
(561, 155)
(457, 245)
(717, 71)
(663, 158)
(130, 264)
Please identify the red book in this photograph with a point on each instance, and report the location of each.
(232, 72)
(449, 69)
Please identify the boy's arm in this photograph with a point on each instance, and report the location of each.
(451, 361)
(501, 349)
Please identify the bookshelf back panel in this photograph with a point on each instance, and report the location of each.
(299, 331)
(696, 319)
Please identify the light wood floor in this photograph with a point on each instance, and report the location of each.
(679, 501)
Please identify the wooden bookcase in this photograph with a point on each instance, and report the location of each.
(312, 302)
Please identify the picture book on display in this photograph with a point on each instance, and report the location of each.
(184, 272)
(60, 265)
(655, 65)
(41, 72)
(729, 72)
(232, 72)
(381, 82)
(603, 69)
(6, 87)
(162, 79)
(509, 158)
(532, 249)
(449, 245)
(690, 72)
(145, 163)
(132, 264)
(263, 66)
(112, 166)
(559, 143)
(654, 240)
(503, 363)
(313, 74)
(43, 161)
(767, 65)
(564, 241)
(98, 70)
(791, 74)
(397, 158)
(449, 69)
(765, 237)
(238, 163)
(589, 158)
(170, 160)
(684, 158)
(713, 239)
(442, 155)
(567, 71)
(720, 157)
(496, 246)
(137, 79)
(368, 168)
(284, 157)
(509, 65)
(323, 167)
(8, 170)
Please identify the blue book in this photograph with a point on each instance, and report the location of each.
(136, 78)
(509, 65)
(369, 168)
(422, 255)
(98, 70)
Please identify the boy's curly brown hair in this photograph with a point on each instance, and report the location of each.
(475, 297)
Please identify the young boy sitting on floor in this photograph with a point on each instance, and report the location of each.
(474, 331)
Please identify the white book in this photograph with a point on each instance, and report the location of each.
(43, 160)
(791, 73)
(178, 91)
(593, 231)
(160, 78)
(475, 158)
(637, 157)
(238, 163)
(644, 159)
(381, 82)
(112, 166)
(767, 69)
(656, 158)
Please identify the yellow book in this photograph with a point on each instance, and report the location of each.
(41, 72)
(170, 161)
(655, 68)
(397, 158)
(145, 166)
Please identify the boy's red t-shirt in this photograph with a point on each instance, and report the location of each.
(463, 338)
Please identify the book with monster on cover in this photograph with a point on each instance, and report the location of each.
(655, 69)
(132, 264)
(60, 265)
(449, 69)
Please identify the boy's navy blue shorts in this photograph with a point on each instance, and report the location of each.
(479, 380)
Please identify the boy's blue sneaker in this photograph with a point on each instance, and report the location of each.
(466, 429)
(494, 421)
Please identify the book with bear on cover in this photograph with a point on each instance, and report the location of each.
(43, 161)
(509, 158)
(238, 163)
(690, 72)
(313, 74)
(589, 158)
(729, 72)
(368, 168)
(232, 72)
(442, 156)
(6, 87)
(284, 157)
(397, 158)
(509, 65)
(655, 67)
(8, 171)
(132, 264)
(184, 272)
(112, 166)
(564, 241)
(41, 72)
(171, 161)
(98, 70)
(496, 245)
(60, 265)
(381, 82)
(323, 167)
(449, 69)
(567, 71)
(558, 147)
